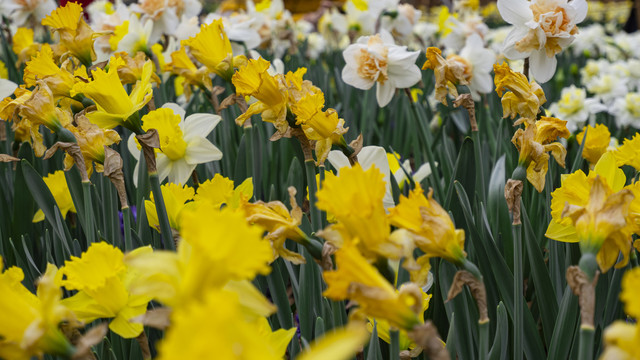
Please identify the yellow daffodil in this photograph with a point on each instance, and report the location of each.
(594, 210)
(354, 198)
(621, 338)
(30, 323)
(75, 34)
(183, 142)
(92, 140)
(340, 344)
(220, 61)
(448, 74)
(357, 280)
(176, 198)
(219, 322)
(23, 45)
(430, 228)
(534, 142)
(281, 224)
(114, 106)
(57, 184)
(131, 69)
(317, 124)
(211, 254)
(598, 139)
(23, 130)
(629, 152)
(219, 191)
(254, 80)
(182, 65)
(102, 280)
(42, 67)
(41, 109)
(524, 97)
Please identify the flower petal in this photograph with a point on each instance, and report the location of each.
(200, 125)
(177, 109)
(384, 93)
(200, 150)
(180, 172)
(515, 12)
(351, 77)
(542, 66)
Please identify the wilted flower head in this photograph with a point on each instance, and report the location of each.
(524, 98)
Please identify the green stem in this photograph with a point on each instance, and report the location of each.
(89, 230)
(250, 164)
(316, 215)
(394, 348)
(483, 346)
(126, 227)
(517, 291)
(475, 136)
(163, 218)
(323, 215)
(585, 349)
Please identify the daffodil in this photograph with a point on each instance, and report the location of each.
(402, 171)
(23, 45)
(354, 198)
(575, 107)
(132, 68)
(594, 210)
(627, 110)
(542, 29)
(212, 254)
(280, 223)
(103, 283)
(166, 15)
(27, 13)
(254, 80)
(629, 152)
(182, 65)
(183, 142)
(7, 87)
(75, 34)
(30, 322)
(114, 106)
(176, 198)
(220, 191)
(317, 124)
(40, 109)
(359, 281)
(221, 61)
(596, 144)
(42, 67)
(133, 35)
(378, 60)
(219, 322)
(57, 184)
(448, 74)
(524, 97)
(430, 228)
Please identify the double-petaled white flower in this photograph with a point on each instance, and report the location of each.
(376, 59)
(542, 28)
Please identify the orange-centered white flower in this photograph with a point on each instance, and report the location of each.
(376, 59)
(542, 28)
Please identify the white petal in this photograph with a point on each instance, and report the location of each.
(199, 125)
(135, 174)
(351, 77)
(177, 109)
(133, 148)
(164, 165)
(386, 37)
(515, 12)
(384, 93)
(337, 159)
(482, 82)
(180, 172)
(422, 173)
(515, 35)
(404, 77)
(7, 87)
(542, 67)
(200, 151)
(400, 56)
(581, 8)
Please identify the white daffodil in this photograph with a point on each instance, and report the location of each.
(183, 142)
(27, 13)
(542, 28)
(401, 170)
(458, 31)
(133, 35)
(368, 156)
(575, 107)
(166, 14)
(607, 87)
(478, 62)
(401, 21)
(627, 110)
(376, 59)
(7, 87)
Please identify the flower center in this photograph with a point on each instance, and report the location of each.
(372, 62)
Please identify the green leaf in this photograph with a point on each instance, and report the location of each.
(373, 350)
(500, 347)
(44, 199)
(463, 306)
(565, 326)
